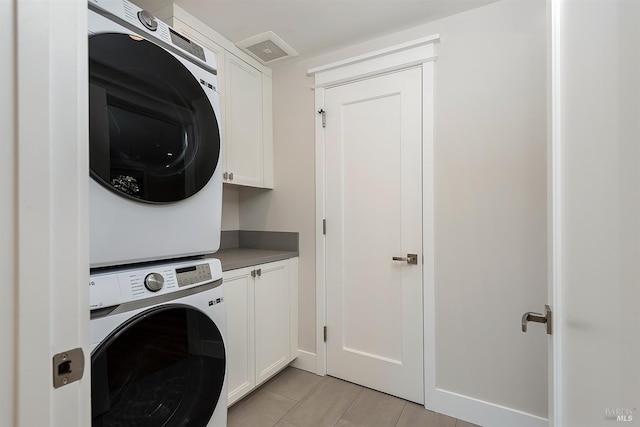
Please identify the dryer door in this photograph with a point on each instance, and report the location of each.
(164, 367)
(153, 133)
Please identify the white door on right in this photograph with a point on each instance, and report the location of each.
(374, 214)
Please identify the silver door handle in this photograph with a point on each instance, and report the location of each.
(410, 258)
(530, 316)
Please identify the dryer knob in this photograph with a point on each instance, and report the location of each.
(154, 282)
(148, 20)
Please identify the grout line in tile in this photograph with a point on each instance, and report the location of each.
(302, 399)
(404, 405)
(322, 379)
(350, 405)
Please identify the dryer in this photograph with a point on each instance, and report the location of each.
(158, 346)
(154, 139)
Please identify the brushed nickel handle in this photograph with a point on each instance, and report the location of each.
(231, 176)
(530, 316)
(410, 258)
(225, 175)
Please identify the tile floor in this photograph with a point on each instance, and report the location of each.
(296, 398)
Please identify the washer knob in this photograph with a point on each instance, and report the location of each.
(154, 282)
(148, 20)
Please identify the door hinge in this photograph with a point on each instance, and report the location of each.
(325, 334)
(324, 226)
(324, 117)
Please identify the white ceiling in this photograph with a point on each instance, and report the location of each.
(315, 26)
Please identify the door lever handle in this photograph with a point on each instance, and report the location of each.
(410, 258)
(530, 316)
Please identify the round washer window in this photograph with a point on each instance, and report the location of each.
(153, 134)
(164, 367)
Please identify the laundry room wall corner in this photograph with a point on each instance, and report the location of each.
(290, 206)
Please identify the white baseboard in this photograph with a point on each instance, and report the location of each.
(476, 411)
(305, 361)
(483, 413)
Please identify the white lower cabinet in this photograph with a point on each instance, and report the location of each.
(262, 323)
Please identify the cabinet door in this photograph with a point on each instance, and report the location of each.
(238, 295)
(271, 319)
(244, 127)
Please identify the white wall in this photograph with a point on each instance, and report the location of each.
(599, 119)
(490, 156)
(490, 204)
(230, 208)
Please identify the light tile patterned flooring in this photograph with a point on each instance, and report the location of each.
(296, 398)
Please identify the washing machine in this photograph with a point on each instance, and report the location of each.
(154, 139)
(158, 346)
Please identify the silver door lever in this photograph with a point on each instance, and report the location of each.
(530, 316)
(410, 258)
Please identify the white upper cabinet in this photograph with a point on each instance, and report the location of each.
(246, 103)
(245, 141)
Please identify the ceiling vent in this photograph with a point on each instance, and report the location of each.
(267, 47)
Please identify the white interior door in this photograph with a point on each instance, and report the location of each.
(373, 212)
(44, 215)
(596, 149)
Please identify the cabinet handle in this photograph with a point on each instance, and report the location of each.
(231, 176)
(259, 272)
(225, 175)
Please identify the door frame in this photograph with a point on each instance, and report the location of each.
(44, 220)
(554, 213)
(417, 53)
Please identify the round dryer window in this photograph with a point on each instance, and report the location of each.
(164, 367)
(153, 133)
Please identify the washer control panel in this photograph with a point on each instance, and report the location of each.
(193, 274)
(111, 288)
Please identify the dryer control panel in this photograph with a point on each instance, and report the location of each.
(145, 24)
(111, 288)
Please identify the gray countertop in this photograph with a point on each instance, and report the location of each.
(241, 248)
(234, 258)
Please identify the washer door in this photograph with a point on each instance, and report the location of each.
(164, 367)
(153, 134)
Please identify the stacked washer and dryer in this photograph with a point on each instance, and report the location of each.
(158, 319)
